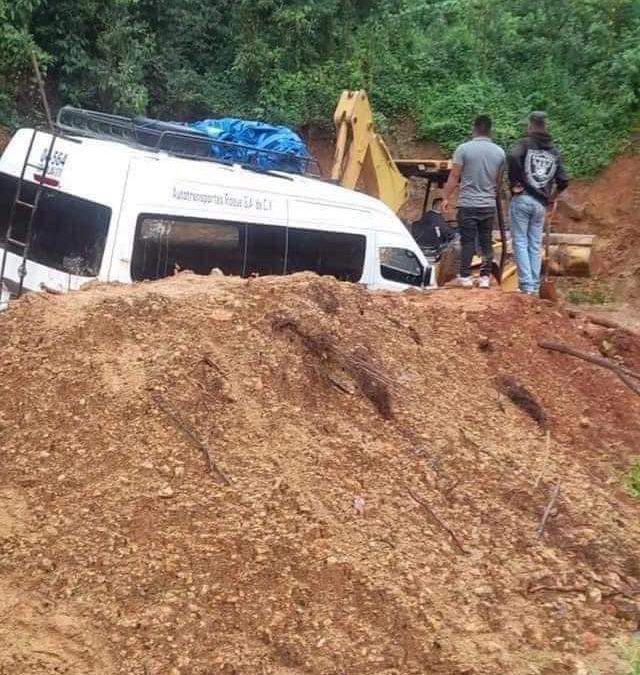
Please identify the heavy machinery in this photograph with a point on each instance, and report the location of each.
(363, 161)
(362, 158)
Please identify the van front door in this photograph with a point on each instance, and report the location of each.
(397, 265)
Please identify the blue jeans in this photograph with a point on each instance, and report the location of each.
(527, 227)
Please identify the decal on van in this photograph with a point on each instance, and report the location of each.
(56, 163)
(246, 201)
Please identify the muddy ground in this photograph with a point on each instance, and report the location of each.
(210, 475)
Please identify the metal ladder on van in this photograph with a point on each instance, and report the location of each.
(21, 202)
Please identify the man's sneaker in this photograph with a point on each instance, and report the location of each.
(465, 282)
(485, 282)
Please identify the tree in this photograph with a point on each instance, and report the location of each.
(437, 62)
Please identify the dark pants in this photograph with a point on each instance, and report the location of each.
(476, 225)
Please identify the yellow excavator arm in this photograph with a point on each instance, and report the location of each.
(362, 158)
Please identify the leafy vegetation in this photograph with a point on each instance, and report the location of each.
(595, 293)
(633, 485)
(631, 653)
(438, 62)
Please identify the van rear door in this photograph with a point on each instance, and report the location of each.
(68, 237)
(71, 239)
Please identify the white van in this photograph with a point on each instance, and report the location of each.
(113, 209)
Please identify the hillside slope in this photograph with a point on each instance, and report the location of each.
(609, 206)
(376, 495)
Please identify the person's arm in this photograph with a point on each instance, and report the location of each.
(562, 183)
(515, 160)
(500, 178)
(562, 177)
(452, 182)
(454, 177)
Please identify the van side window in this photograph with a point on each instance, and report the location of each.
(164, 245)
(401, 265)
(337, 254)
(266, 247)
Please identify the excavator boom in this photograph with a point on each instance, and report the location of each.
(362, 158)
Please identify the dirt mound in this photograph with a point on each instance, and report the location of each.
(298, 476)
(36, 637)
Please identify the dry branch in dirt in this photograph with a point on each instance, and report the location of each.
(186, 429)
(547, 512)
(626, 375)
(609, 323)
(373, 382)
(438, 521)
(523, 398)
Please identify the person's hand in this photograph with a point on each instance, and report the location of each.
(517, 189)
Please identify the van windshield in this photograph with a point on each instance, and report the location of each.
(69, 233)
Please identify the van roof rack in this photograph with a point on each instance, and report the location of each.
(178, 140)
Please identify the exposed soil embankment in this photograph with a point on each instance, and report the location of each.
(210, 475)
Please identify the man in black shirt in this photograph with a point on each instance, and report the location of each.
(431, 232)
(536, 177)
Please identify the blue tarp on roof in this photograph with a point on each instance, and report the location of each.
(265, 138)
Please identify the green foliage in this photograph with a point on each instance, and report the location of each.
(576, 59)
(632, 481)
(16, 45)
(631, 652)
(449, 111)
(102, 51)
(596, 293)
(439, 62)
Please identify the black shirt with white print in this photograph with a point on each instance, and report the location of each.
(535, 165)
